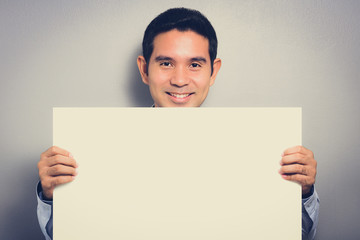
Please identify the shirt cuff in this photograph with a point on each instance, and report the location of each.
(311, 203)
(44, 209)
(310, 215)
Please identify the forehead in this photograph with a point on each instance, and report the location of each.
(182, 44)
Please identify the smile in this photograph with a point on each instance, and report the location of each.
(179, 95)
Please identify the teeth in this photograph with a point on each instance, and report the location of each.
(179, 95)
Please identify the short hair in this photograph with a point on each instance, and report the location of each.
(181, 19)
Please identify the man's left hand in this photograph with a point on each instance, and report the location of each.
(298, 165)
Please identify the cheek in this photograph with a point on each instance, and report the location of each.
(203, 81)
(158, 78)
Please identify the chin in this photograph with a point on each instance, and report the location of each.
(176, 105)
(186, 105)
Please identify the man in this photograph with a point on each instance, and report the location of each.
(179, 65)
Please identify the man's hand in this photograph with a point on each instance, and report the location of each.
(56, 166)
(298, 165)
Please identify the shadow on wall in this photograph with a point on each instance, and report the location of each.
(20, 214)
(138, 91)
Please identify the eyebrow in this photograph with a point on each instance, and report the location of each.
(198, 59)
(162, 58)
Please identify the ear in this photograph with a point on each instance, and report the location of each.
(216, 68)
(143, 69)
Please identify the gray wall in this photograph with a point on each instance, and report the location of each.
(275, 54)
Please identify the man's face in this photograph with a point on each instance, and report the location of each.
(179, 69)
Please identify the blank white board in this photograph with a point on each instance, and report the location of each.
(177, 173)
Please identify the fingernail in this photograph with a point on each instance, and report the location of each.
(283, 176)
(71, 156)
(77, 164)
(283, 154)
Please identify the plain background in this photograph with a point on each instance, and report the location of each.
(275, 54)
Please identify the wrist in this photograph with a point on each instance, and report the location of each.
(308, 193)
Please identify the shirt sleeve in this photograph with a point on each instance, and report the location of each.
(310, 215)
(44, 213)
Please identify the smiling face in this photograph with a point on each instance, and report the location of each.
(179, 69)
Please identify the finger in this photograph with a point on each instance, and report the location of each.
(294, 169)
(51, 182)
(303, 180)
(56, 181)
(295, 158)
(54, 150)
(61, 170)
(296, 149)
(60, 159)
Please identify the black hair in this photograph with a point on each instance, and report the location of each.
(181, 19)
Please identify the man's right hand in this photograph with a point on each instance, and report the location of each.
(56, 166)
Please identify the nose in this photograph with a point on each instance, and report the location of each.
(179, 78)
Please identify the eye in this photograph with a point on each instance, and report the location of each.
(165, 64)
(195, 65)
